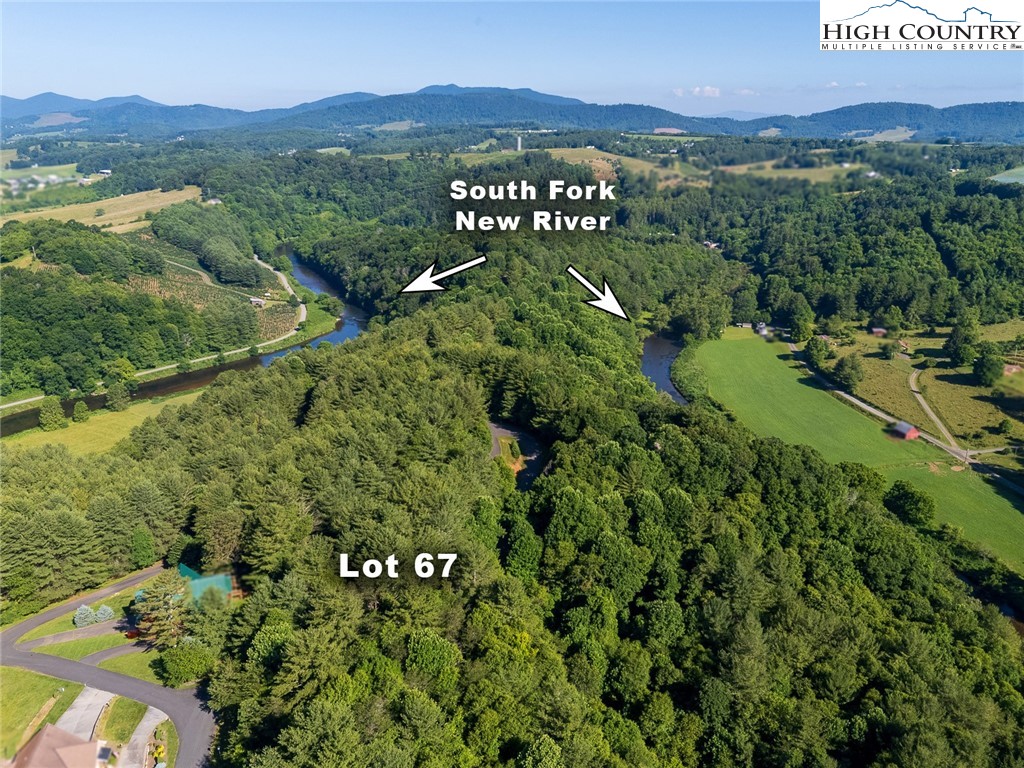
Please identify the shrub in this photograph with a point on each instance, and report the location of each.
(104, 613)
(84, 616)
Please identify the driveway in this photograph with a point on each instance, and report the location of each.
(193, 721)
(80, 718)
(136, 751)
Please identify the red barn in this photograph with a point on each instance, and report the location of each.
(905, 430)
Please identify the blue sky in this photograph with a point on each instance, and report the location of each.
(695, 58)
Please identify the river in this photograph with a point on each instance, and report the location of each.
(656, 365)
(351, 324)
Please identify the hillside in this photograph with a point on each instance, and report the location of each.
(451, 105)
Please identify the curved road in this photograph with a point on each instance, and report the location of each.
(193, 721)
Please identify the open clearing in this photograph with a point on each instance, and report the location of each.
(64, 171)
(899, 133)
(119, 214)
(816, 175)
(1013, 176)
(773, 395)
(102, 431)
(604, 164)
(23, 695)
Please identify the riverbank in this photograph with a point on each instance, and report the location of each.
(319, 327)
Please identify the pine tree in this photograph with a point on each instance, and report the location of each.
(161, 610)
(84, 616)
(81, 412)
(104, 613)
(51, 415)
(118, 398)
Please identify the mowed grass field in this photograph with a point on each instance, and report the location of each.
(65, 171)
(119, 214)
(23, 697)
(138, 665)
(773, 395)
(816, 175)
(79, 649)
(1012, 176)
(102, 431)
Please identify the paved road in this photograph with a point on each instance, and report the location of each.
(80, 718)
(94, 659)
(95, 630)
(194, 723)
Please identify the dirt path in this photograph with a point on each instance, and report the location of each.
(915, 390)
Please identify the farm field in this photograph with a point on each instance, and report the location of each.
(816, 175)
(65, 171)
(899, 133)
(23, 697)
(102, 431)
(604, 163)
(1012, 176)
(773, 395)
(119, 214)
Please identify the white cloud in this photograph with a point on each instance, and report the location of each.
(708, 91)
(746, 92)
(833, 84)
(861, 84)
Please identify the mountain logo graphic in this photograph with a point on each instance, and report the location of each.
(903, 5)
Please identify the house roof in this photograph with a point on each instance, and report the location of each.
(903, 427)
(52, 747)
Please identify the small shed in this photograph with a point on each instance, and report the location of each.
(880, 332)
(905, 430)
(256, 301)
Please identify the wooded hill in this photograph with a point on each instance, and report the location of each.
(438, 106)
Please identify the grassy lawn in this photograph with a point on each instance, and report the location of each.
(335, 151)
(515, 463)
(971, 412)
(79, 649)
(120, 719)
(968, 502)
(23, 697)
(118, 213)
(103, 430)
(772, 395)
(118, 601)
(134, 665)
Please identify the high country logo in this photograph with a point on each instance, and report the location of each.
(945, 25)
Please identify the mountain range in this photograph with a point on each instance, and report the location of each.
(452, 105)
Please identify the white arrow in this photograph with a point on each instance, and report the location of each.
(605, 300)
(427, 281)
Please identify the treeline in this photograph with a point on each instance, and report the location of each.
(217, 238)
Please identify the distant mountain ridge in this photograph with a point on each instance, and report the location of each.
(46, 103)
(453, 105)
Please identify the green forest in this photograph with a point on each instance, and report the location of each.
(74, 320)
(672, 590)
